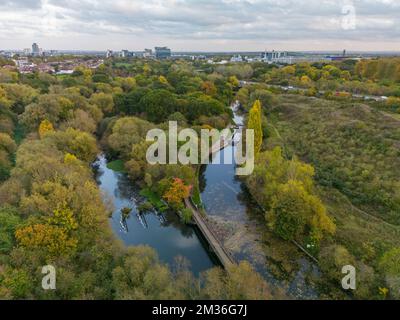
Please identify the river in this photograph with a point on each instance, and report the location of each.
(161, 231)
(241, 226)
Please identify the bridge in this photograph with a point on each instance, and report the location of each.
(223, 255)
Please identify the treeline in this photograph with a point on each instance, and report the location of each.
(385, 70)
(379, 77)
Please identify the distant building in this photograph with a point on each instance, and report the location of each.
(27, 52)
(275, 56)
(147, 53)
(35, 50)
(338, 58)
(162, 52)
(126, 54)
(22, 62)
(237, 58)
(109, 54)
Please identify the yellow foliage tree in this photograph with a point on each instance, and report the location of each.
(163, 80)
(64, 217)
(53, 240)
(305, 81)
(254, 123)
(45, 127)
(233, 80)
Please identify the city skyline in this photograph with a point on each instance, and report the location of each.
(184, 25)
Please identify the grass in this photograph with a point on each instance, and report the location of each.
(154, 199)
(196, 196)
(116, 165)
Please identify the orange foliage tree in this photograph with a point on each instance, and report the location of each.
(176, 193)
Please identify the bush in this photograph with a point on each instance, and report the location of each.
(186, 215)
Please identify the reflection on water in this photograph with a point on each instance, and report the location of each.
(162, 231)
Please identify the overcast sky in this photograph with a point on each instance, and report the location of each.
(201, 25)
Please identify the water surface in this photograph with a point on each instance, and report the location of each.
(161, 231)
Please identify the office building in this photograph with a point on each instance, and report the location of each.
(162, 52)
(35, 50)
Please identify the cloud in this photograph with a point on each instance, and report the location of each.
(207, 24)
(20, 4)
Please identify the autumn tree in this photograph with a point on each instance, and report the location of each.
(142, 276)
(233, 80)
(209, 88)
(294, 210)
(238, 282)
(286, 189)
(176, 193)
(45, 127)
(104, 101)
(255, 123)
(53, 241)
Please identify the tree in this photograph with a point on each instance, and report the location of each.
(17, 281)
(238, 282)
(141, 276)
(163, 80)
(81, 144)
(104, 101)
(233, 80)
(285, 189)
(243, 96)
(255, 123)
(53, 241)
(158, 105)
(9, 221)
(267, 98)
(45, 127)
(209, 88)
(333, 258)
(127, 132)
(293, 209)
(305, 81)
(7, 143)
(176, 193)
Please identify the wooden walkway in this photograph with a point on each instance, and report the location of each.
(223, 255)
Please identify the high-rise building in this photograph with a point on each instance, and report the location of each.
(125, 54)
(35, 49)
(109, 54)
(147, 53)
(162, 52)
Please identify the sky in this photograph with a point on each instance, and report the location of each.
(201, 25)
